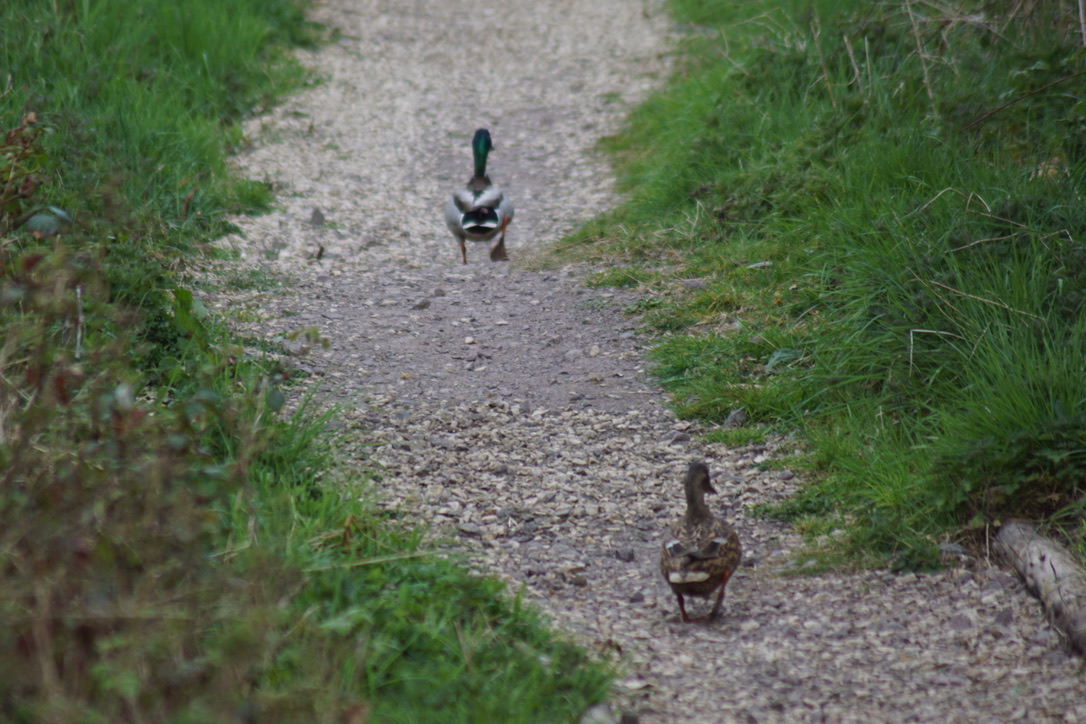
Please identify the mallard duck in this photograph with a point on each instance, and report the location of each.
(703, 551)
(479, 211)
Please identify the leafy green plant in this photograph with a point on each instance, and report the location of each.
(110, 591)
(21, 158)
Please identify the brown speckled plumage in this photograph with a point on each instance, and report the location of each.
(703, 551)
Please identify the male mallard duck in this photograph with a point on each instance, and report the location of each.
(479, 211)
(703, 551)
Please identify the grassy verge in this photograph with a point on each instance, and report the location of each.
(173, 549)
(859, 221)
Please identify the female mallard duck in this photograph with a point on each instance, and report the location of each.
(703, 551)
(479, 211)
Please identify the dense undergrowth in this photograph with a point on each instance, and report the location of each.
(173, 548)
(882, 202)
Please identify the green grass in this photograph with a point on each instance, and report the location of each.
(890, 252)
(134, 107)
(174, 548)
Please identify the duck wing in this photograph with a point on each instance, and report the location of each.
(470, 199)
(701, 553)
(478, 212)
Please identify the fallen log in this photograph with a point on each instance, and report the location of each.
(1051, 574)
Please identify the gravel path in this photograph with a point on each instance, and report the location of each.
(509, 406)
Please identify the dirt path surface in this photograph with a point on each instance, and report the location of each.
(509, 407)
